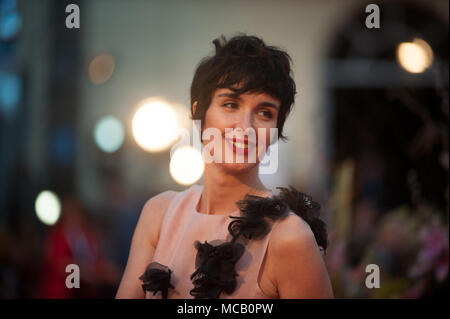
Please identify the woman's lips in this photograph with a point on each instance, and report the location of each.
(239, 146)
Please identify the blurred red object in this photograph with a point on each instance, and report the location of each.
(74, 241)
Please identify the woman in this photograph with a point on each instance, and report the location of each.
(232, 237)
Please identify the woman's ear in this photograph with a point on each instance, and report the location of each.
(194, 107)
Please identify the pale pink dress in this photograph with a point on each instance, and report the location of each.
(182, 226)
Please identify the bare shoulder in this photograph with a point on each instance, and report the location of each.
(292, 232)
(153, 213)
(296, 265)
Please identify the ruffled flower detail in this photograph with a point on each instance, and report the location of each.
(156, 278)
(252, 224)
(216, 264)
(216, 269)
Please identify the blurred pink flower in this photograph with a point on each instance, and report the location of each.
(434, 253)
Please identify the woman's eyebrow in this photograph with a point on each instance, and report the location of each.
(235, 96)
(268, 104)
(232, 95)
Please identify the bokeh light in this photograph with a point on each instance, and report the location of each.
(109, 134)
(10, 91)
(101, 68)
(48, 207)
(155, 125)
(10, 25)
(416, 56)
(186, 165)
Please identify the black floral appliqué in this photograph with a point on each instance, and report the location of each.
(252, 223)
(303, 205)
(156, 278)
(216, 271)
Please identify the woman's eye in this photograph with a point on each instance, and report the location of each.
(266, 114)
(230, 105)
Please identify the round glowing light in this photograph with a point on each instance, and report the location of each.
(416, 56)
(155, 126)
(10, 25)
(109, 134)
(48, 207)
(10, 91)
(101, 68)
(186, 165)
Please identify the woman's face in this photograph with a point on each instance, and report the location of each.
(241, 125)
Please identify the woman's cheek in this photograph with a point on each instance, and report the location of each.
(266, 133)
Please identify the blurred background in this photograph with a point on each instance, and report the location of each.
(88, 115)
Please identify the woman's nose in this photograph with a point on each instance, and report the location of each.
(245, 129)
(245, 122)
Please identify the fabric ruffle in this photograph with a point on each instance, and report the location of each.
(255, 211)
(156, 278)
(216, 272)
(303, 206)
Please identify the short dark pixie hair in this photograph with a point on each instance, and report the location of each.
(244, 61)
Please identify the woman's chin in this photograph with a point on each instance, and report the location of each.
(237, 168)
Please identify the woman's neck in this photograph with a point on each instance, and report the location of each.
(222, 190)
